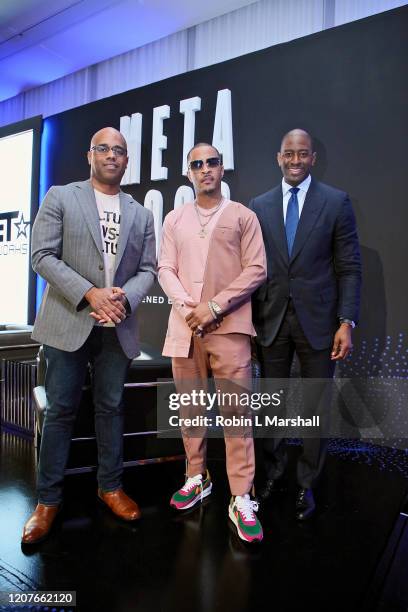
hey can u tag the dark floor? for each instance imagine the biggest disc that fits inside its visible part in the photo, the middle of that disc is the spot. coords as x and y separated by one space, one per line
195 562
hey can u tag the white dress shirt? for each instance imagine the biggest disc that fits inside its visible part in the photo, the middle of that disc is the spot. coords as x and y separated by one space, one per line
301 194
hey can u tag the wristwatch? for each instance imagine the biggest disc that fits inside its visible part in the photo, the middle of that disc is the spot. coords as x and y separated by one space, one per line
348 321
215 309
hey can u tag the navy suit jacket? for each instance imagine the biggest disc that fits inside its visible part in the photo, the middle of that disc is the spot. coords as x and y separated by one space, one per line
323 273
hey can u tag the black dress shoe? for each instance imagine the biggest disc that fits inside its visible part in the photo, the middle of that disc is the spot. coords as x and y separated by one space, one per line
265 492
269 488
305 504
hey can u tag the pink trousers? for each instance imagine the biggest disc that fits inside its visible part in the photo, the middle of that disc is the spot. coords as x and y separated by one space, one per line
228 359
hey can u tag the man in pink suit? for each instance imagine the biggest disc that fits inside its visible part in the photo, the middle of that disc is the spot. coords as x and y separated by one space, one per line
212 259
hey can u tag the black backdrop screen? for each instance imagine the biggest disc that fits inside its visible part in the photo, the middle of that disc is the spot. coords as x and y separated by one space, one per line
348 87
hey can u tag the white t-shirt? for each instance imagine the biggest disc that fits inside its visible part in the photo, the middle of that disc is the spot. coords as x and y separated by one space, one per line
109 219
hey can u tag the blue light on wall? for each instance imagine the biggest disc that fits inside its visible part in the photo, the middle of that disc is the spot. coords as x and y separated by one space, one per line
46 142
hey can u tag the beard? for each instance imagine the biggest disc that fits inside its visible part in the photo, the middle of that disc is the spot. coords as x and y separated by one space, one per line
209 190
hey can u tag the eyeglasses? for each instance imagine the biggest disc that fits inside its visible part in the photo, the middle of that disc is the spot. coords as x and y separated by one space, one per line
102 149
211 162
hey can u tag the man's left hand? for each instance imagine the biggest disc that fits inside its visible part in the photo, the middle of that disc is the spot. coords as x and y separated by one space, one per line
212 326
118 295
200 316
342 343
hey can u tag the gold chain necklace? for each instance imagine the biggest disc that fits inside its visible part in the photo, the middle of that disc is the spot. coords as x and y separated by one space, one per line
203 232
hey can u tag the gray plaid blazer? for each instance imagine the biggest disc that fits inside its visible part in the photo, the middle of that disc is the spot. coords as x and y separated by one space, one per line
66 250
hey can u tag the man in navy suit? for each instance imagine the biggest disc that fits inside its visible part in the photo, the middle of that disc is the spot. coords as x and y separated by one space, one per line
309 303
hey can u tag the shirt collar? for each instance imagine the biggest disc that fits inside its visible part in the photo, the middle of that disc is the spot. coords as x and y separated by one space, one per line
303 186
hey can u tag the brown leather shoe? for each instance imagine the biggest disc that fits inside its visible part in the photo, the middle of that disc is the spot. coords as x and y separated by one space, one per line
120 504
39 524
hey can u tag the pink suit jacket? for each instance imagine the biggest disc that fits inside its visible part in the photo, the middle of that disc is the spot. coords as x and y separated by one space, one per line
235 268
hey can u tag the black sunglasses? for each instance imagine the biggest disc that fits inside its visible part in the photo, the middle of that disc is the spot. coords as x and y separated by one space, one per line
211 162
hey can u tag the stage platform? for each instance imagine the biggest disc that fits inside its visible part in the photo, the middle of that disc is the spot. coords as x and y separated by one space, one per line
352 555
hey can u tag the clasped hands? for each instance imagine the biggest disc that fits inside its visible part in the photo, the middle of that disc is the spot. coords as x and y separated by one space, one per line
108 304
201 321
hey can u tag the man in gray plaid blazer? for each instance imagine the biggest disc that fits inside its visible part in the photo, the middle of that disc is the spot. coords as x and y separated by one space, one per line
95 247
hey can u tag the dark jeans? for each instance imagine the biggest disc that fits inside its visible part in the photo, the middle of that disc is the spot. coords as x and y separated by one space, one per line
64 380
276 362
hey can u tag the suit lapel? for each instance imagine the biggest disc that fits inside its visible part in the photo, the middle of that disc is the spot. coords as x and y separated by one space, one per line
87 202
314 203
127 216
274 222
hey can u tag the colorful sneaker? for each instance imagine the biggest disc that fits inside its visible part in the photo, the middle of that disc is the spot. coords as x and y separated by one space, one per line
242 513
194 490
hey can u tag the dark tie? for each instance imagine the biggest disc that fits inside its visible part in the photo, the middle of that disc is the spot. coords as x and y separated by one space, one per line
292 218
